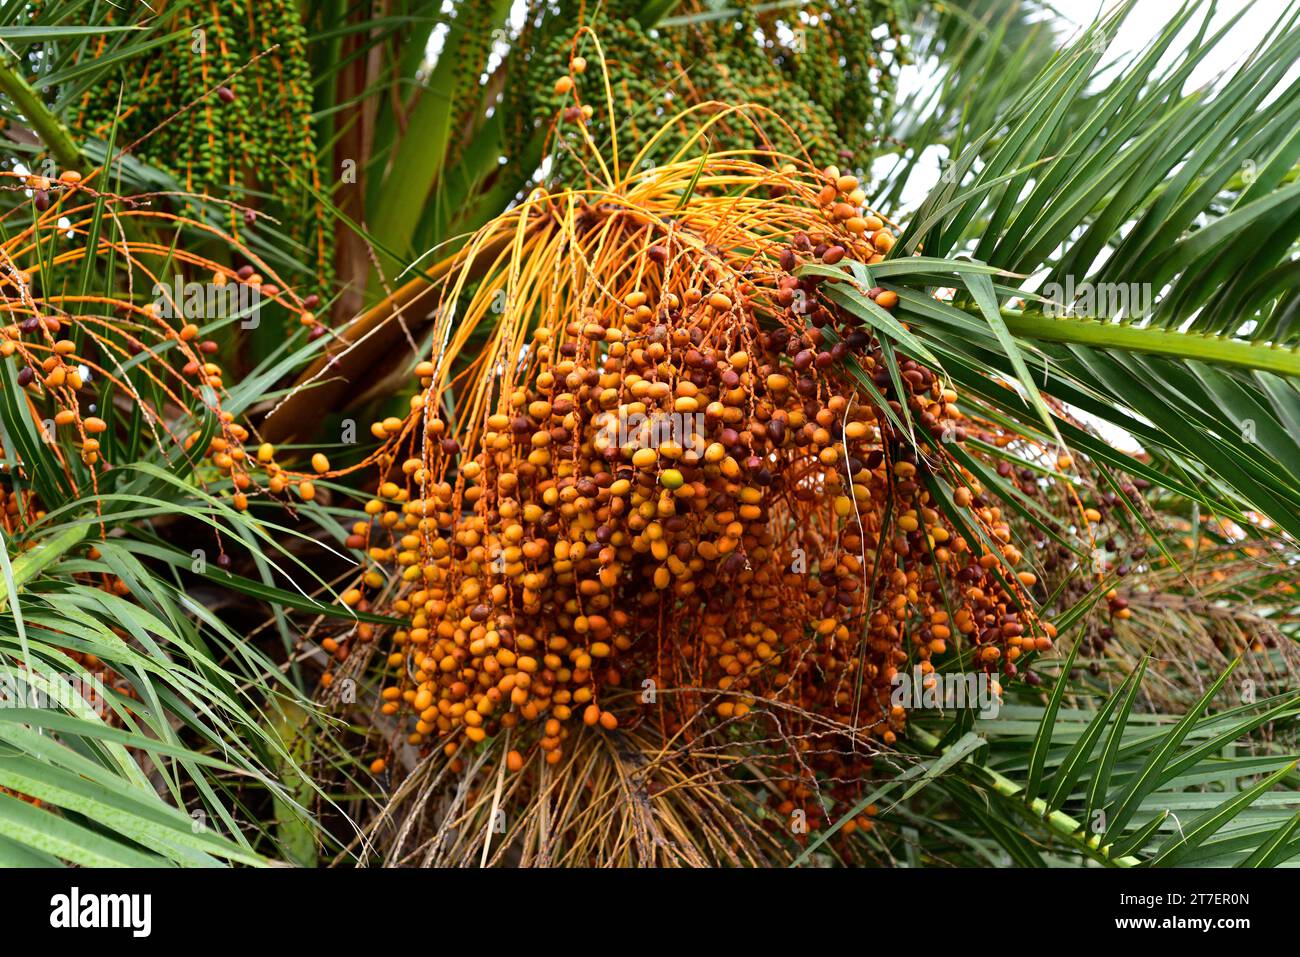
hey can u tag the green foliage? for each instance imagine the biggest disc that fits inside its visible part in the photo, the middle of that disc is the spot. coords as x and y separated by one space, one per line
1120 788
225 108
1057 166
1047 190
174 692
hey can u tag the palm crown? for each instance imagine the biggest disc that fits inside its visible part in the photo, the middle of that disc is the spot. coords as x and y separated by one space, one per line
1102 274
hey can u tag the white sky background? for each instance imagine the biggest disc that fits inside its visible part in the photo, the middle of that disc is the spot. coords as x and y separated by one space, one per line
1147 19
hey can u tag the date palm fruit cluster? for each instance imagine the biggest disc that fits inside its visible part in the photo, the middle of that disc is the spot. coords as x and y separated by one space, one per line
809 67
85 364
667 492
94 378
225 107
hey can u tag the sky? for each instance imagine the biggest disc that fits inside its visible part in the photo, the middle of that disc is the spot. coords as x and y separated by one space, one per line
1149 17
1144 23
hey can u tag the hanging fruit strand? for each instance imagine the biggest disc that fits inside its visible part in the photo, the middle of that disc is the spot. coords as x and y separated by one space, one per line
663 480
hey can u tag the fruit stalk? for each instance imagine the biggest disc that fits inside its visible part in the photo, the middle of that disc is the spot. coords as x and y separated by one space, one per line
45 124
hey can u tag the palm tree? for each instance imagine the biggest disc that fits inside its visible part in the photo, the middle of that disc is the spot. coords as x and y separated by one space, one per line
1102 269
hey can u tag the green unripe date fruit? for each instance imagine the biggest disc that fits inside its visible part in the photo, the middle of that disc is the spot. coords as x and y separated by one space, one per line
240 135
